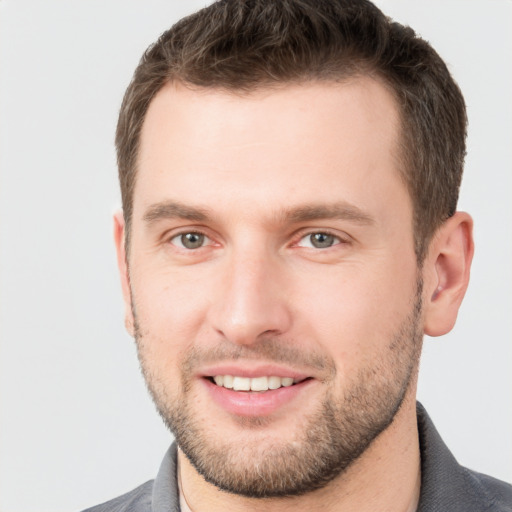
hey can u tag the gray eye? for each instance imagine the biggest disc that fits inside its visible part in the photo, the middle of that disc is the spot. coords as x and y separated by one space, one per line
191 240
322 240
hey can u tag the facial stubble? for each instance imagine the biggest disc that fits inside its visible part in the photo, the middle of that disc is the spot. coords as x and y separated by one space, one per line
333 436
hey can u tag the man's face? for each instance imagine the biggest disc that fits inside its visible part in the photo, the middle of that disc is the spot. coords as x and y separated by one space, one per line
272 250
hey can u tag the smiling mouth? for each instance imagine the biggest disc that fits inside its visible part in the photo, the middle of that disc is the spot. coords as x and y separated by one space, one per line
259 384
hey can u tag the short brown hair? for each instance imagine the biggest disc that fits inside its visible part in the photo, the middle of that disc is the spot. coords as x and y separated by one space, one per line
242 45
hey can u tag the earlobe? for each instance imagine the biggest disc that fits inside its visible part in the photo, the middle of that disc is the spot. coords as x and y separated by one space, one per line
446 271
122 264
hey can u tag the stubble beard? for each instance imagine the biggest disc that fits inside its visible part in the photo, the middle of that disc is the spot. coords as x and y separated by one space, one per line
336 434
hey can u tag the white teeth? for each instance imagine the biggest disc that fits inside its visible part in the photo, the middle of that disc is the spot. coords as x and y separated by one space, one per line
228 381
255 384
259 384
287 381
274 383
241 383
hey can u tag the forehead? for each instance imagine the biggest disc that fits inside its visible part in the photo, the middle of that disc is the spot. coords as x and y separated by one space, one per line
294 144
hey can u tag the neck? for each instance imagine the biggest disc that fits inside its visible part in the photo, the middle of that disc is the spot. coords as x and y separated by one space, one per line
386 478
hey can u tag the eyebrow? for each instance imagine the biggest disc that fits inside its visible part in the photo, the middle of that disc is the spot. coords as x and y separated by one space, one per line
174 210
340 210
304 213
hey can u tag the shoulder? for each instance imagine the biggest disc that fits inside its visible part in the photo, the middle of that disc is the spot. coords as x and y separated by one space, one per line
154 496
138 500
496 493
448 486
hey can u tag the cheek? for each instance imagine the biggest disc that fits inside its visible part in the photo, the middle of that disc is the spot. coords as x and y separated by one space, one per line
170 309
354 313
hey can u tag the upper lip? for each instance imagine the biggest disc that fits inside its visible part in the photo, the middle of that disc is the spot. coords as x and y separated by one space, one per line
252 370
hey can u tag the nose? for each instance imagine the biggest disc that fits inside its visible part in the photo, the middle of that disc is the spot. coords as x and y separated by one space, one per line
251 300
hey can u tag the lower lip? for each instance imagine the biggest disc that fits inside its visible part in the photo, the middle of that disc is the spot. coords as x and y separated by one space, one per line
255 403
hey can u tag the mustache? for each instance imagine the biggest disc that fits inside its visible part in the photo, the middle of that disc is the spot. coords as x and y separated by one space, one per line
268 349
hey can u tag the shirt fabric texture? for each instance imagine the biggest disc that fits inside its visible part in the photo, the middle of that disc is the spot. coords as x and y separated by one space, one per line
446 486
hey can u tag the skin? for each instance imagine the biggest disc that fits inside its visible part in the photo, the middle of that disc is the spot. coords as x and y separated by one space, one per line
246 161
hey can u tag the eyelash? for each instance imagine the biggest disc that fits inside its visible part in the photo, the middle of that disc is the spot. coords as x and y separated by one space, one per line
188 232
338 240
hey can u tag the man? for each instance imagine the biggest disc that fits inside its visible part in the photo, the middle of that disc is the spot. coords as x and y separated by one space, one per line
290 174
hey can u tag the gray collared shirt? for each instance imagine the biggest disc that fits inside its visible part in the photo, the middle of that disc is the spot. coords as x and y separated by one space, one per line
445 485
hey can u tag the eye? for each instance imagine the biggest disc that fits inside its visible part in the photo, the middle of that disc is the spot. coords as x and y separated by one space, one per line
319 240
191 240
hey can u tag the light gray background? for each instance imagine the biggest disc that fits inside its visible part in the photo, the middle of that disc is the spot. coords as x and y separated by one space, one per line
76 424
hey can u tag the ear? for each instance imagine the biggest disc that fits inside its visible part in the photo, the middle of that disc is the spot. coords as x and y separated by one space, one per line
122 264
446 273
